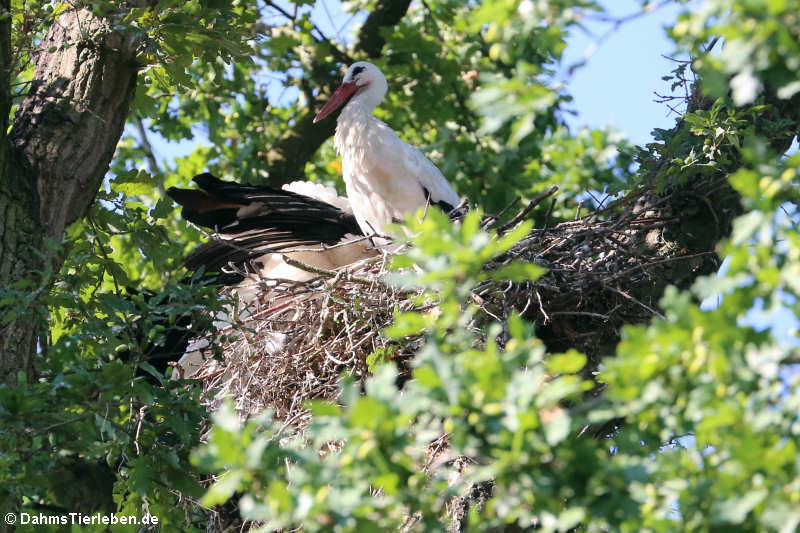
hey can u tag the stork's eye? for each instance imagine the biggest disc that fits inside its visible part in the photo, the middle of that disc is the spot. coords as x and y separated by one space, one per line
358 70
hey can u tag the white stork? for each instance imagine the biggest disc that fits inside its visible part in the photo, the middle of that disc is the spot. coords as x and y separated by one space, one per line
385 177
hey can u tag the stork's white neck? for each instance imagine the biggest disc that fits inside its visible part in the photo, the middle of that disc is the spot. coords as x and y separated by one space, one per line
370 96
356 117
352 127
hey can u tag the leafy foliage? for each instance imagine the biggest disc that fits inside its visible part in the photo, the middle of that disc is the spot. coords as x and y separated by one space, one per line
727 391
760 46
709 401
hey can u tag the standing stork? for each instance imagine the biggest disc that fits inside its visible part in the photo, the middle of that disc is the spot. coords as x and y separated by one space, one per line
385 177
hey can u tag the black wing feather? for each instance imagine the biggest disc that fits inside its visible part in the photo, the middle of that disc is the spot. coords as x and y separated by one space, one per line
255 220
441 204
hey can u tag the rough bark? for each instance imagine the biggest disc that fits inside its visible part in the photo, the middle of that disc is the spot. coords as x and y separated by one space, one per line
20 242
16 230
19 232
69 124
5 65
288 157
59 149
12 237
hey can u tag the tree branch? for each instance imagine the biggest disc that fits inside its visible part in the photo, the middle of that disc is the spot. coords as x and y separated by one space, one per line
149 153
387 13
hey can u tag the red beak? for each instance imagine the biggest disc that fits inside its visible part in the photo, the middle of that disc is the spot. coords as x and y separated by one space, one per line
339 98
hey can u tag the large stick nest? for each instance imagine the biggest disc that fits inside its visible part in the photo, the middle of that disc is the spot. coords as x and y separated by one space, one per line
305 336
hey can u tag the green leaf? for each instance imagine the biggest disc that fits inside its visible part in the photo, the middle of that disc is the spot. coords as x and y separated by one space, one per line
367 413
407 324
427 377
566 363
735 510
518 271
224 487
321 408
556 426
571 518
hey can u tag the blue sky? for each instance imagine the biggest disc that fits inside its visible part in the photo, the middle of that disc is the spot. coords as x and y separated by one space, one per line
623 69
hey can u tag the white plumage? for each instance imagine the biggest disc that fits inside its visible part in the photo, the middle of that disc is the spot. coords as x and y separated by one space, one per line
385 177
321 192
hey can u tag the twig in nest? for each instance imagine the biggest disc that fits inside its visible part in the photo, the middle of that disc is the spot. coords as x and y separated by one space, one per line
491 220
549 214
541 307
342 274
659 262
634 300
522 214
581 313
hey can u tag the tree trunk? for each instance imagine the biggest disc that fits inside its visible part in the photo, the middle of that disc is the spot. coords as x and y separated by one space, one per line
52 164
19 232
69 125
59 149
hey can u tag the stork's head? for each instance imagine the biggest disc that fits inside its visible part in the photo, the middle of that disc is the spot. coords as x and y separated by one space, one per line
363 82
